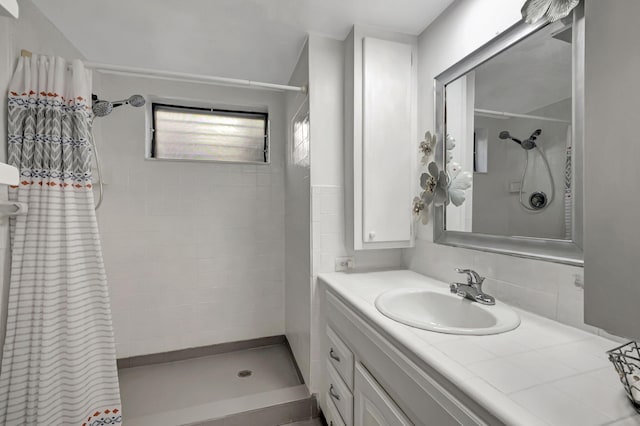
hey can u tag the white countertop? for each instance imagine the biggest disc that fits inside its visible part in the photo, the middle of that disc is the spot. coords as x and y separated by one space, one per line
542 373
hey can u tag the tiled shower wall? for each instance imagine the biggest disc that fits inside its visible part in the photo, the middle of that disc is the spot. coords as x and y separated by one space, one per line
194 252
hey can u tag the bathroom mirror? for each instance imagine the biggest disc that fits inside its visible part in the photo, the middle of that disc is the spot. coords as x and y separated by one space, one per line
511 116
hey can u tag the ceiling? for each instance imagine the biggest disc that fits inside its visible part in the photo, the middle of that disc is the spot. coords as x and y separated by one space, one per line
534 73
248 39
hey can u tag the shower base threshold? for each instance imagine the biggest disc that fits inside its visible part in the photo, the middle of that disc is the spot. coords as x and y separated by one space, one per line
251 386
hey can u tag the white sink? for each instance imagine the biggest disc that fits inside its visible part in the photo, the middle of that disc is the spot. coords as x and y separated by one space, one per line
445 312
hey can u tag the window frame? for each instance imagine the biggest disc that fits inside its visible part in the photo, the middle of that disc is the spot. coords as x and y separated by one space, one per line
184 104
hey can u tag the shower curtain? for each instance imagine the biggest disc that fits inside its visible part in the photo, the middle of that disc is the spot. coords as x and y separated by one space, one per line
568 191
59 359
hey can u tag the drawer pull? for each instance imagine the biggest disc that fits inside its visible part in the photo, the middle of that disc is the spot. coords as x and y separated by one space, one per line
333 355
333 394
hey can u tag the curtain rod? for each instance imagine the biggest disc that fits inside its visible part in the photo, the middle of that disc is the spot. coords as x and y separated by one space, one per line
505 115
186 77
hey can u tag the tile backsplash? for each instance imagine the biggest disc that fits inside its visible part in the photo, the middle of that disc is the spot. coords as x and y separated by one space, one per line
328 242
548 289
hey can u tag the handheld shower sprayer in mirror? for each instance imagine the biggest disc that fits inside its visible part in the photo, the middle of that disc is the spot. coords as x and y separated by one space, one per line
102 108
525 144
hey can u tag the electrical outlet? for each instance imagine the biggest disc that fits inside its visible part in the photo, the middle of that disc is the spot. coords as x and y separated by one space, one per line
344 263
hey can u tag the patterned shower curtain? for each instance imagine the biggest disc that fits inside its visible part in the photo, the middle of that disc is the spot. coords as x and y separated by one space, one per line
59 359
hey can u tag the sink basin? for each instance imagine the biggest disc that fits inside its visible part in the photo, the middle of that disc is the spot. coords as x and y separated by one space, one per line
444 312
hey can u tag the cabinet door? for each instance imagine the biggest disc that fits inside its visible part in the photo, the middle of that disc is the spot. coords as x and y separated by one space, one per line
373 407
387 145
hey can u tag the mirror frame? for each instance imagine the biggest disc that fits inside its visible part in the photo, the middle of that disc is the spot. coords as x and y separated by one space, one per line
559 251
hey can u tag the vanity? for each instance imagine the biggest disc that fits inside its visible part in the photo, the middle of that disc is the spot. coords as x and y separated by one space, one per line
379 371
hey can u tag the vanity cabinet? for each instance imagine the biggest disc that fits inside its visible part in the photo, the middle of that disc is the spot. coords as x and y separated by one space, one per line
380 138
370 382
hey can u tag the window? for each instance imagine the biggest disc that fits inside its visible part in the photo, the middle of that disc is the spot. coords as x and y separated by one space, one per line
300 140
193 133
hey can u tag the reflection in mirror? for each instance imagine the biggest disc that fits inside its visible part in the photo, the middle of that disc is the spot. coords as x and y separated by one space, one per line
511 120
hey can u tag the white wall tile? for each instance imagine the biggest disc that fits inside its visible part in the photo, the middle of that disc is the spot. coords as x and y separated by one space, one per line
548 289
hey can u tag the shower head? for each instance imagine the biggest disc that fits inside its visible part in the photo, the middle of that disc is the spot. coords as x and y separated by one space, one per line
525 144
531 142
137 101
102 108
133 100
506 135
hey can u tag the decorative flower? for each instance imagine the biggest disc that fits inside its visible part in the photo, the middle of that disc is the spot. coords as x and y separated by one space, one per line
534 11
435 183
427 147
450 143
459 182
439 187
420 210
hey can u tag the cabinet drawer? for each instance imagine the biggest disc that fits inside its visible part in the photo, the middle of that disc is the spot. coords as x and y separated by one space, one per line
331 414
372 404
340 356
339 394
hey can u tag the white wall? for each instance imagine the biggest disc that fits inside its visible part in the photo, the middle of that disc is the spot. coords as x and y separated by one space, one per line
541 287
194 252
35 33
298 233
612 234
326 97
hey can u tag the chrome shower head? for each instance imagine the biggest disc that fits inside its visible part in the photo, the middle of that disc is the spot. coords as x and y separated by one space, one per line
505 135
102 108
136 101
531 142
133 100
525 144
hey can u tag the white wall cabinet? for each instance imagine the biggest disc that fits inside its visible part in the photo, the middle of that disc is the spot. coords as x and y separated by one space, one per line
380 138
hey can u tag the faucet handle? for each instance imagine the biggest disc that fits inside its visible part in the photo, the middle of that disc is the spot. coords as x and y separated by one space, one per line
472 276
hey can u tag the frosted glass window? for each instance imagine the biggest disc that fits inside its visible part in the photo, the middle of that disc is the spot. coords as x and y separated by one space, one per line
300 145
187 133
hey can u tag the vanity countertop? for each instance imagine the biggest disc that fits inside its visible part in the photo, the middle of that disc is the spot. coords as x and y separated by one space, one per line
542 373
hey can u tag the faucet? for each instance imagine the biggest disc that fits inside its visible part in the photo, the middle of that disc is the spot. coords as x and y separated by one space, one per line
472 290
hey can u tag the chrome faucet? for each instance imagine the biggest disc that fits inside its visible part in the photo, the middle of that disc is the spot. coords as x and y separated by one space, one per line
472 290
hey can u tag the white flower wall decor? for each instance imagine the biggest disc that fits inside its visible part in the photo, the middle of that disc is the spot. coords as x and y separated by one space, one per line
534 11
439 187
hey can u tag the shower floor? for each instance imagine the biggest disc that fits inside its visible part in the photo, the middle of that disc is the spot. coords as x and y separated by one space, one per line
199 389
